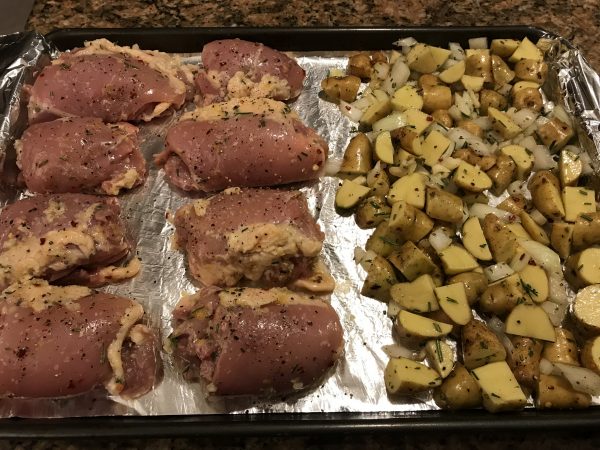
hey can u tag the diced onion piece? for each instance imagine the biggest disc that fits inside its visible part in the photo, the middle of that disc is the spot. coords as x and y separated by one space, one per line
406 42
439 240
398 351
498 272
543 256
557 288
397 77
517 188
542 159
350 111
546 367
556 312
362 103
580 378
364 258
480 210
381 70
456 51
460 137
391 122
484 122
332 166
505 90
560 113
524 117
538 217
478 43
393 309
455 113
519 261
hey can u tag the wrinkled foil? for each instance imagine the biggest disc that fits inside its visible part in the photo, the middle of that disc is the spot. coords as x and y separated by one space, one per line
356 383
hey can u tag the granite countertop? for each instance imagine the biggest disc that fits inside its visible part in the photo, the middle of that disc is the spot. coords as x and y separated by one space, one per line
577 20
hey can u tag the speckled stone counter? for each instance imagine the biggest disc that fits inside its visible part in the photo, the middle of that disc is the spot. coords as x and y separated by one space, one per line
577 20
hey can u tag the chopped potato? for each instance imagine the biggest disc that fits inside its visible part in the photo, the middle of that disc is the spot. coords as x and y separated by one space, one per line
434 146
555 134
456 259
546 195
417 295
443 205
471 178
480 345
405 376
501 391
380 278
407 97
422 327
350 194
578 201
535 283
474 240
441 356
590 354
526 50
570 167
458 391
504 295
453 73
556 392
563 349
522 159
453 301
412 262
358 156
410 189
530 321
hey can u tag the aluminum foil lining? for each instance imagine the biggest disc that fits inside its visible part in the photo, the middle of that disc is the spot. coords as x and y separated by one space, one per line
356 383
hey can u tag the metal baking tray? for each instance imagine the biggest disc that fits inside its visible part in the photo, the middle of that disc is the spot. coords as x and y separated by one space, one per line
188 40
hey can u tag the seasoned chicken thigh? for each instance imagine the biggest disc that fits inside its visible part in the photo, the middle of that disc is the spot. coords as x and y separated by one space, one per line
81 155
110 82
63 341
64 235
237 68
265 235
246 341
242 142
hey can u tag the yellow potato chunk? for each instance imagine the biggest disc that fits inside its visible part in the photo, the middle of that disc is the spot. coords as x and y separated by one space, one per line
530 321
452 299
471 178
433 147
405 376
420 326
501 391
534 281
416 296
456 259
474 240
350 194
577 201
410 188
407 97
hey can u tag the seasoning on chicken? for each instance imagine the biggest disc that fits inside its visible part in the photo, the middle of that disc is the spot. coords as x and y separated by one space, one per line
265 235
63 341
73 237
80 155
242 142
110 82
246 341
236 68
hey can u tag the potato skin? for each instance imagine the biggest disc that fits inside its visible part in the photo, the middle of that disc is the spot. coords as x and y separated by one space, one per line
476 339
531 70
360 65
436 97
371 212
587 357
586 232
491 98
341 88
443 205
458 391
443 117
475 284
501 298
358 156
501 240
556 393
529 98
503 173
563 350
380 278
524 360
545 193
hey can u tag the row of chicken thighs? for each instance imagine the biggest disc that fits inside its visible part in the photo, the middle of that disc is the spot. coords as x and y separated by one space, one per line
257 326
